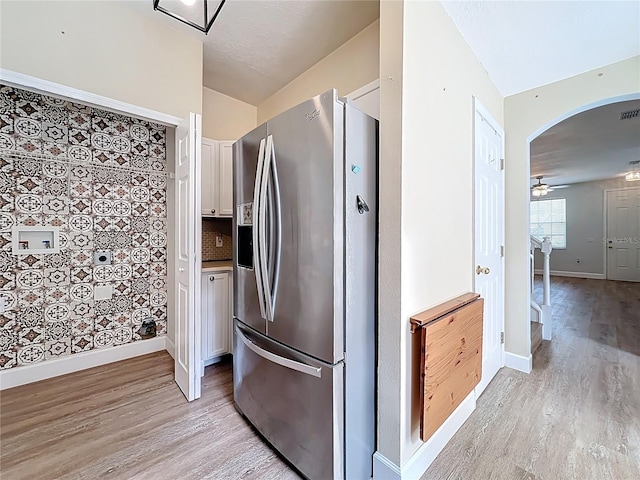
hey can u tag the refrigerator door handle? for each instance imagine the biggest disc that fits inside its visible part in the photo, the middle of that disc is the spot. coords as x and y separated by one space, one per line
271 172
268 168
285 362
257 221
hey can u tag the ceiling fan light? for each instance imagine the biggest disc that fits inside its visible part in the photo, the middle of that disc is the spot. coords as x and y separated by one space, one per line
539 191
632 176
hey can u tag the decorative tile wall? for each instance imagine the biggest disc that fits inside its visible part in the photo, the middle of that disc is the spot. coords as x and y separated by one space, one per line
100 177
211 227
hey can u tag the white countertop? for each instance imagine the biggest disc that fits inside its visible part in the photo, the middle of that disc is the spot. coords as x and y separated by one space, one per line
217 266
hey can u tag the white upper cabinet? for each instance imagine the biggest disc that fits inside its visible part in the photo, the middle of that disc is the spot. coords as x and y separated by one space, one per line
225 155
209 172
217 178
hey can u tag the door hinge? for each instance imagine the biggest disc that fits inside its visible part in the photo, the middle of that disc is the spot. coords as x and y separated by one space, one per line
502 250
501 338
502 164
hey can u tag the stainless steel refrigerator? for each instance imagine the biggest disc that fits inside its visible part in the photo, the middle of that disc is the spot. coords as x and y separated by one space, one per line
304 251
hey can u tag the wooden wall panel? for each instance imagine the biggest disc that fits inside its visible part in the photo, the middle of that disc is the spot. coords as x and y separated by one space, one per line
451 363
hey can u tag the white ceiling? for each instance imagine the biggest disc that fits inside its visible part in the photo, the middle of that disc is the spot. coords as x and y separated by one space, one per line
256 47
592 145
526 44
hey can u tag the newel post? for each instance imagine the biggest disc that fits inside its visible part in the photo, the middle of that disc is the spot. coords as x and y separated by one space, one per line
546 279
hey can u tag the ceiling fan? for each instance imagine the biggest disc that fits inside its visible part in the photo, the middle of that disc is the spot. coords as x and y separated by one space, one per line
541 189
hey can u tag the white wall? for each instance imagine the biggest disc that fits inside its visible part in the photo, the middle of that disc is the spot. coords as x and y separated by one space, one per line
426 195
224 117
106 48
526 115
585 227
350 66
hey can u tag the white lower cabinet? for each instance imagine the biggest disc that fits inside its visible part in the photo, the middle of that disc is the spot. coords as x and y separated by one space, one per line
216 316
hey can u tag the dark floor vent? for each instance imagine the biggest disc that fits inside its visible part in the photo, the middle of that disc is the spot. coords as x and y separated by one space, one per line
630 114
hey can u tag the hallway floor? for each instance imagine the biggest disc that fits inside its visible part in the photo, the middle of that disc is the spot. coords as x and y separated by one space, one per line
577 415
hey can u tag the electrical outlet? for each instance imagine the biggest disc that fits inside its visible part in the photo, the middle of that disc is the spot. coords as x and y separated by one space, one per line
218 240
2 304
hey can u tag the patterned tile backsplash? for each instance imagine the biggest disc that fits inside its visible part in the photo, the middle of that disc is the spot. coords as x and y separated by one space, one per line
212 227
100 177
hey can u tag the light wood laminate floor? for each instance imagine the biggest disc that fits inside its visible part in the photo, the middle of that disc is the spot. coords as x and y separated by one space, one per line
576 416
129 420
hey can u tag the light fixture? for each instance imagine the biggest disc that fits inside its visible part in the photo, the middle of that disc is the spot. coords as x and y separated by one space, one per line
540 189
633 175
199 14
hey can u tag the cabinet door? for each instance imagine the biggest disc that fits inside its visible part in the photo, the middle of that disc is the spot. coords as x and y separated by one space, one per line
217 318
225 156
207 314
209 177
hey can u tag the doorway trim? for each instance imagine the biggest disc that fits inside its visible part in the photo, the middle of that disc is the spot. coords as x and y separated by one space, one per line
46 87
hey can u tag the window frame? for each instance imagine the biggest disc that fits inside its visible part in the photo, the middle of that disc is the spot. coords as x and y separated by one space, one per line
564 223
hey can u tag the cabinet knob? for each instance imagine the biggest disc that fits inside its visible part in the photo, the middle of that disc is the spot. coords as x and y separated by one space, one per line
213 210
211 279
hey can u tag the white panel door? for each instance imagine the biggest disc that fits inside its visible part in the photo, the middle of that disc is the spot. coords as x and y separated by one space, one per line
623 235
209 177
489 239
225 155
187 279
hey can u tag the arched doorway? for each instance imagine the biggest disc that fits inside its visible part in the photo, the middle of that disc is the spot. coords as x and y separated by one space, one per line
547 159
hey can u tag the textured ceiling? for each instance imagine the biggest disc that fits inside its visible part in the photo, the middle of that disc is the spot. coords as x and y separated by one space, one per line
526 44
256 47
592 145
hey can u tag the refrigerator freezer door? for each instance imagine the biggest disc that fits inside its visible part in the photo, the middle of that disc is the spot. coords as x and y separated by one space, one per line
246 300
294 401
308 314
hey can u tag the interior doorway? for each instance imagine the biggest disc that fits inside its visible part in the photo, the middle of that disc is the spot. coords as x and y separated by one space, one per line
579 158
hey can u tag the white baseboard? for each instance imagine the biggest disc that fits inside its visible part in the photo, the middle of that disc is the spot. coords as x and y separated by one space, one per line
384 469
518 362
171 347
560 273
15 377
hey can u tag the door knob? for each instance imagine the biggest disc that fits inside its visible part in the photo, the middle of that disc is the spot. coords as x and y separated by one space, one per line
484 270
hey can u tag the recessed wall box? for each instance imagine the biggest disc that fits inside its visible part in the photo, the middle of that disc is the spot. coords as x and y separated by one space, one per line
35 239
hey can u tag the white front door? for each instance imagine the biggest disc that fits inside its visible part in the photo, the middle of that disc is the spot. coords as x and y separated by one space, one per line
187 285
623 235
488 269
